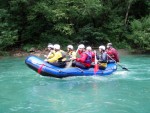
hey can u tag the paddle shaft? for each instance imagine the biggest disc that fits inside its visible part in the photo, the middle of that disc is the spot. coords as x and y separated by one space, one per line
117 63
70 63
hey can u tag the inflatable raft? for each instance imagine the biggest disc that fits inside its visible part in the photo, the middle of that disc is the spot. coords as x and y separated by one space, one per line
46 69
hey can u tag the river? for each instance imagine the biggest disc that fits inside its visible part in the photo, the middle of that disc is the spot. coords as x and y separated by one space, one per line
25 91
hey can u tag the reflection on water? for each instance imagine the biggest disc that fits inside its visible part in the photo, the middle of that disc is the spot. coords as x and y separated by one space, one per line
24 91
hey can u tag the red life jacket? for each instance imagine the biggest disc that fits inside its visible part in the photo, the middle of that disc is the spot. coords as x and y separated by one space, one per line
112 52
85 59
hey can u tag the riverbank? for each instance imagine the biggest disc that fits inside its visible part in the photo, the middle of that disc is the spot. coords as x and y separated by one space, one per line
36 52
20 52
42 52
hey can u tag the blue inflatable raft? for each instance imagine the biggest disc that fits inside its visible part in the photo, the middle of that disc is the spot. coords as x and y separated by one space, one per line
46 69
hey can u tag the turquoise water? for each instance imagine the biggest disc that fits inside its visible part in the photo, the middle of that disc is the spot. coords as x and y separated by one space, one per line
24 91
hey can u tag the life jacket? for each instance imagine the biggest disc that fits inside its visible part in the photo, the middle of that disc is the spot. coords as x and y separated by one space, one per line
51 54
80 53
113 54
109 52
85 59
63 58
103 57
103 60
89 57
72 54
56 57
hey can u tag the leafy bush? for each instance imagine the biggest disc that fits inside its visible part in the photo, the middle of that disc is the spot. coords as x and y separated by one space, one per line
8 33
27 47
35 23
140 35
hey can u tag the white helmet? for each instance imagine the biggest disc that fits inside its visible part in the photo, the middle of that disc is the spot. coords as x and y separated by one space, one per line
56 46
81 46
50 46
70 46
89 48
109 45
102 47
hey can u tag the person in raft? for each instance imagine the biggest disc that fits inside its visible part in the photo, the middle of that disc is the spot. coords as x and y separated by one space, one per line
112 53
70 52
85 59
59 58
51 51
102 58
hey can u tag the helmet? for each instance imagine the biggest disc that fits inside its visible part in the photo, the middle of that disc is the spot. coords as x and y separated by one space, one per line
81 46
102 47
70 46
109 44
56 46
50 46
89 48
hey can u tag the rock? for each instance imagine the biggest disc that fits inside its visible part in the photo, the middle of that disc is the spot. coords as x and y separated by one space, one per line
32 49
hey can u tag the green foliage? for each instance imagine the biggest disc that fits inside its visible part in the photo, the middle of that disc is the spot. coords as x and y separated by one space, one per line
93 22
66 29
91 35
4 53
27 47
140 35
8 33
57 39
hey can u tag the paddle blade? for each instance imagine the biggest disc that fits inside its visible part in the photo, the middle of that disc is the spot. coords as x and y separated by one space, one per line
125 68
96 68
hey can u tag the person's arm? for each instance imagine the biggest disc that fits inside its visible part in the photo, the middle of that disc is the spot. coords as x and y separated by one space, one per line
73 55
82 59
93 57
50 55
116 56
55 58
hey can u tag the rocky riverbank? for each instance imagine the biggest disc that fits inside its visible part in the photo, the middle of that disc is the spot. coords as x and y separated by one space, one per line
40 53
20 53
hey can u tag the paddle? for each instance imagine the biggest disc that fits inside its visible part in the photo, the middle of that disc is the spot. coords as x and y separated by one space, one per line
118 63
70 63
96 67
123 67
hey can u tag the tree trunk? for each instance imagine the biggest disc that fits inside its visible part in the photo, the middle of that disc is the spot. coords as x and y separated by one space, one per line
127 13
